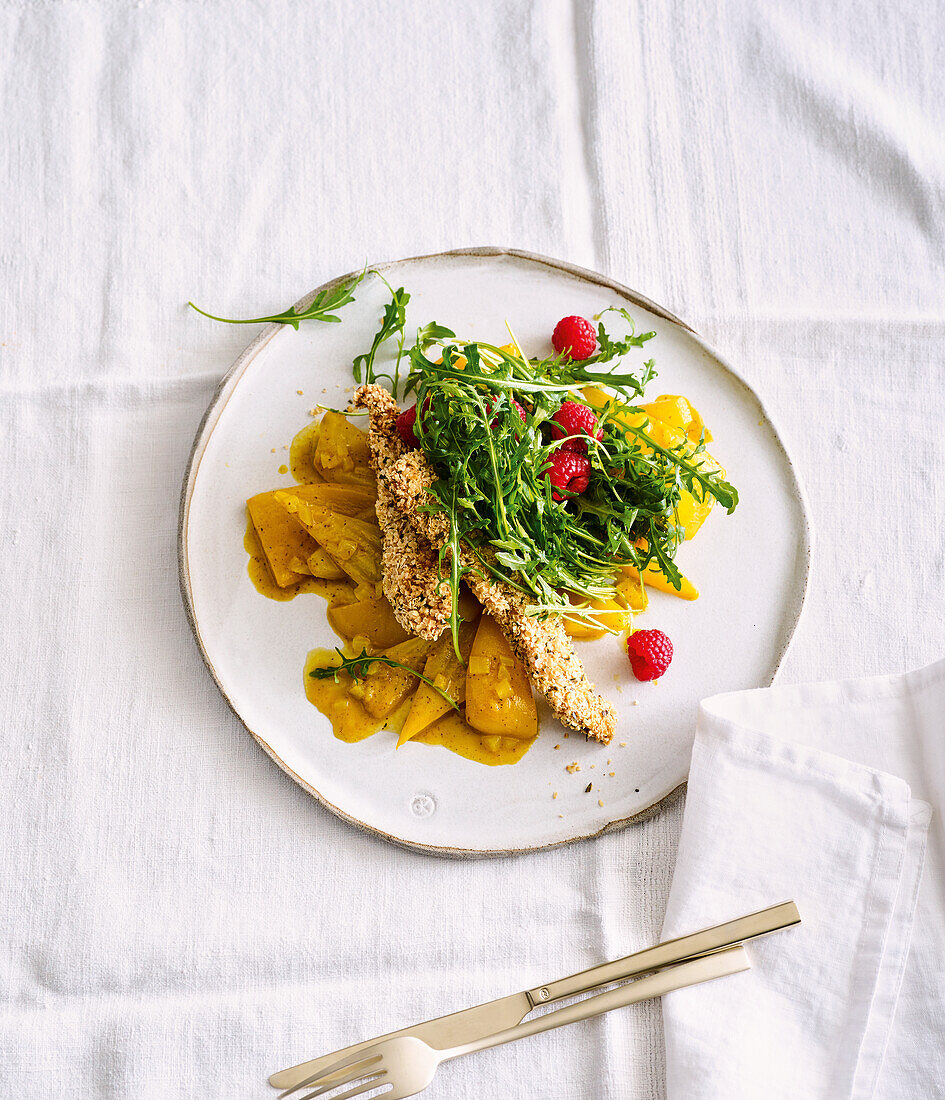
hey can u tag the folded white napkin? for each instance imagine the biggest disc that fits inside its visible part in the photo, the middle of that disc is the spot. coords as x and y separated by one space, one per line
806 793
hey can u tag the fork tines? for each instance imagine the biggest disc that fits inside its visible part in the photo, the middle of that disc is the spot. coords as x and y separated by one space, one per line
332 1077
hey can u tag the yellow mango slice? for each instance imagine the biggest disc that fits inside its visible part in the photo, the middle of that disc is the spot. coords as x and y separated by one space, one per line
630 586
321 564
369 616
610 614
499 697
355 544
341 452
383 690
282 538
447 673
654 578
678 413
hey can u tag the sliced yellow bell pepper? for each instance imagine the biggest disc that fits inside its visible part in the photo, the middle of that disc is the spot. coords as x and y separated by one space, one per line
654 578
610 614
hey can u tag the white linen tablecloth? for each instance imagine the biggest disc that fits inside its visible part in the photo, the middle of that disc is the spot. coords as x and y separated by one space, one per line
177 917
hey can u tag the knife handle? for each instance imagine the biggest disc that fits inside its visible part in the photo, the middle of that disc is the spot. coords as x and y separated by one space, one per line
691 946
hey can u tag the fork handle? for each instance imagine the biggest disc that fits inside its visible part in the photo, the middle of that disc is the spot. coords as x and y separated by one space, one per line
731 960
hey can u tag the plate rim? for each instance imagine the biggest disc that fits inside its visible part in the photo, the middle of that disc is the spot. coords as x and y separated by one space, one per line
208 422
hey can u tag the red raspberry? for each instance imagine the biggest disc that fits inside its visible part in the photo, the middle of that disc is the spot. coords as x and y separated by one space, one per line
650 652
568 471
405 427
406 424
575 336
575 419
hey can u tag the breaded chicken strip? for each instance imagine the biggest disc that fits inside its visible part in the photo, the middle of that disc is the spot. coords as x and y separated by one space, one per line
541 645
417 592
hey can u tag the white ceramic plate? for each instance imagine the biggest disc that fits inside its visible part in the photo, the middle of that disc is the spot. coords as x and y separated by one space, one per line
751 568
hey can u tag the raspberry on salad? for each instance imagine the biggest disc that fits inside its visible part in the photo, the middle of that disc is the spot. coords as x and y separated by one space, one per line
567 471
650 653
575 419
405 427
575 336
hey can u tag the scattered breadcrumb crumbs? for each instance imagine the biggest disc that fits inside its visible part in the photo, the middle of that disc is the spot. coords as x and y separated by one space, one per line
635 703
618 689
592 765
557 746
299 392
313 412
611 774
285 446
623 744
608 761
573 767
560 815
283 469
554 794
273 450
587 789
600 802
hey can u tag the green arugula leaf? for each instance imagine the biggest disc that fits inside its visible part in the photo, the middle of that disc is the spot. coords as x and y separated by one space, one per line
393 322
503 519
358 668
432 333
613 349
321 307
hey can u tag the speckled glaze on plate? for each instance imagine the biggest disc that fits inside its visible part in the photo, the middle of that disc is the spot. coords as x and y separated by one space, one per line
751 569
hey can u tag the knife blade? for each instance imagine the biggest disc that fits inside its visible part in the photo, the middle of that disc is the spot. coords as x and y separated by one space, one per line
470 1024
445 1031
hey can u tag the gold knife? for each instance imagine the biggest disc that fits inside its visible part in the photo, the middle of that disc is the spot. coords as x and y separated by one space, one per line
474 1023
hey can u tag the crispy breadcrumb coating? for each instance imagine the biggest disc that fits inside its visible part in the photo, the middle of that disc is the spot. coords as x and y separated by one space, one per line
541 645
419 595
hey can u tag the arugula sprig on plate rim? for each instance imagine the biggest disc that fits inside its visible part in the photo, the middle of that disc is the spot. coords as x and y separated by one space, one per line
321 308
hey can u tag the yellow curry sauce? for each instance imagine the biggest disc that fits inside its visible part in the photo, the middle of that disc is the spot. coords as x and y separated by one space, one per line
343 703
351 722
